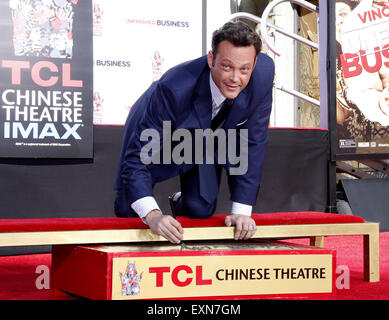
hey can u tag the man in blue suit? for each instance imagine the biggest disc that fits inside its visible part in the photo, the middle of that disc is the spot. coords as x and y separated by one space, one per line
229 89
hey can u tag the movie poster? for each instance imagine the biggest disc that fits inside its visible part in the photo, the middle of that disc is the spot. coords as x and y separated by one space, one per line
362 74
46 79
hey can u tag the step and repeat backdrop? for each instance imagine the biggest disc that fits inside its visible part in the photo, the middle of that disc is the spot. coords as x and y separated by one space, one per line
134 43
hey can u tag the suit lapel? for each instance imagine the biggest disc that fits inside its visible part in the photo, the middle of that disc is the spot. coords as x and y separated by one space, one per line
239 108
203 101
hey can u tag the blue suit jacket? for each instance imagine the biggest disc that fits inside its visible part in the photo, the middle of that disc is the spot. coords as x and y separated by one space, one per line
183 97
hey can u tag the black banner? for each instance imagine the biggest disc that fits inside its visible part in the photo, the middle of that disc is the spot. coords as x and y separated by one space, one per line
46 79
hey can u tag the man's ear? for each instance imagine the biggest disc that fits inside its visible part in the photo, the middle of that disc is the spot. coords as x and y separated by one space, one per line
255 61
210 59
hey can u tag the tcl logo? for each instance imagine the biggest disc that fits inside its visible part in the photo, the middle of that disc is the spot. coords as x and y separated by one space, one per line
17 67
181 276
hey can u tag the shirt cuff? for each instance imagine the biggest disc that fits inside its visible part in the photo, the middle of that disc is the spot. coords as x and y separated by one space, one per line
240 208
144 205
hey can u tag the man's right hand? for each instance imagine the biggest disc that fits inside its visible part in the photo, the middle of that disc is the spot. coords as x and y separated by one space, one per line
166 226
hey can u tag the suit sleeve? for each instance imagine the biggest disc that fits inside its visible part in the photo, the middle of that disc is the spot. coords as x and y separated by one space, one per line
135 172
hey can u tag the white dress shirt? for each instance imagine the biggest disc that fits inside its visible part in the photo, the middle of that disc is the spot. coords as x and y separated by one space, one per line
144 205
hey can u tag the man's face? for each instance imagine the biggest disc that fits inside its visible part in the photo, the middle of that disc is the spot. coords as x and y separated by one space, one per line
342 11
232 68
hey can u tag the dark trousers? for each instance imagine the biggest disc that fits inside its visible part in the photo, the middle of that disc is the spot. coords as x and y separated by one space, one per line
191 204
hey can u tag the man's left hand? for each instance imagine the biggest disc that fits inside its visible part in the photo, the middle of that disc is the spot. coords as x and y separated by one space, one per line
245 226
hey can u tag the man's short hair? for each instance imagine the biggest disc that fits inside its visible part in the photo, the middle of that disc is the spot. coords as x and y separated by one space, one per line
239 34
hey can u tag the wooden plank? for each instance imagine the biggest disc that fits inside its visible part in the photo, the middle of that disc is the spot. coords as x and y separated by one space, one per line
371 256
205 233
369 230
317 242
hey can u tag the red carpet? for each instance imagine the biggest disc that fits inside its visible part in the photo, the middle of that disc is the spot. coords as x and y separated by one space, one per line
107 223
18 275
349 253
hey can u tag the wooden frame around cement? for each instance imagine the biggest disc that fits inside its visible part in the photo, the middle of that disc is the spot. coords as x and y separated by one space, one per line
317 232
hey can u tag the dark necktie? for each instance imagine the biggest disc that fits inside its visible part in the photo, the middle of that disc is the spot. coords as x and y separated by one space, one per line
209 187
222 114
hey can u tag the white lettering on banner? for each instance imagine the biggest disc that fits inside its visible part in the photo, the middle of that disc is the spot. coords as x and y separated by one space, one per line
13 97
365 39
29 109
49 114
34 131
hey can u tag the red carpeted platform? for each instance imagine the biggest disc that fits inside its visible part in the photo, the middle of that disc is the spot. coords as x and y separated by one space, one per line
288 220
18 275
108 223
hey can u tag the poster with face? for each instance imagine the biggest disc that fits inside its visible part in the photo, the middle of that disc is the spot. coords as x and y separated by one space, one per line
362 77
